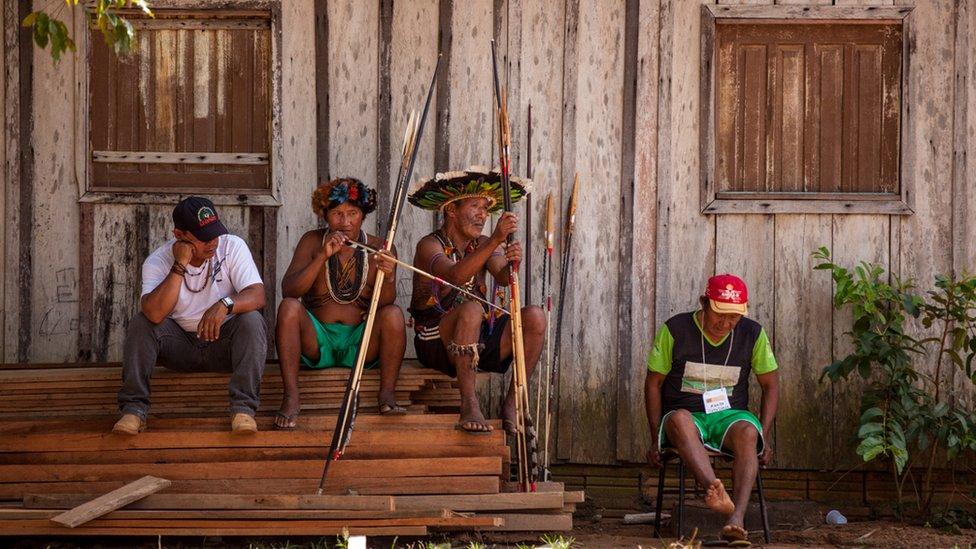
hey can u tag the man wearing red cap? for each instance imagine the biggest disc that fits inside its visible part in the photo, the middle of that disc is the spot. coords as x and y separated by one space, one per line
698 378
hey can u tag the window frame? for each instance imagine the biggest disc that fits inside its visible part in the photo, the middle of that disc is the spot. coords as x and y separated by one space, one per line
87 193
713 202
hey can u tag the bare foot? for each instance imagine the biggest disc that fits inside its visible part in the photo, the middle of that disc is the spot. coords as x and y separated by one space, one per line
472 420
287 416
508 418
717 499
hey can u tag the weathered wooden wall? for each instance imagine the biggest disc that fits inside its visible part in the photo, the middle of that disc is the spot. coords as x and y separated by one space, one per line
4 173
614 88
772 252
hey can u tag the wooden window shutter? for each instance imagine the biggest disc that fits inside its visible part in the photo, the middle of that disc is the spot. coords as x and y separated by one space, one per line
807 107
189 109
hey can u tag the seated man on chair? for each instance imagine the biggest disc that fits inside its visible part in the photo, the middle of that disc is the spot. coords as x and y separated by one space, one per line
698 378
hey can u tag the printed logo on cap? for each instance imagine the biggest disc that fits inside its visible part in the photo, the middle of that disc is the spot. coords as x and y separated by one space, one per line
731 294
206 216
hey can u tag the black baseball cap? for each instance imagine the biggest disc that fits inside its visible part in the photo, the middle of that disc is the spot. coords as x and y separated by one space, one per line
197 216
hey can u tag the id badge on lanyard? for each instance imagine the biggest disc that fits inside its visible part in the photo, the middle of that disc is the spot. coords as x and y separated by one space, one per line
715 400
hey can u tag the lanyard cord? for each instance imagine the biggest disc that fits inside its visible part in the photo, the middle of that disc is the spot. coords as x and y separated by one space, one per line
727 356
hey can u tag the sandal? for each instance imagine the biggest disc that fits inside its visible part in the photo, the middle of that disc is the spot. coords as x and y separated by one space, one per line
735 535
289 423
387 409
460 426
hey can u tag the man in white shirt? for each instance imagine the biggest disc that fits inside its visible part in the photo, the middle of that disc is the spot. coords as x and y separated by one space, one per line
201 292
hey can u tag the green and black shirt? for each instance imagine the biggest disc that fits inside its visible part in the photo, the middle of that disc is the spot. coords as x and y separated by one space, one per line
729 361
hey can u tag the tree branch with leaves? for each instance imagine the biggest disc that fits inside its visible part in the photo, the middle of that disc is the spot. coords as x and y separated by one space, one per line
48 29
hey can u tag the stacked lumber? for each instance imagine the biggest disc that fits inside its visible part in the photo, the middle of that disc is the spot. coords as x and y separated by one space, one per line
405 475
92 390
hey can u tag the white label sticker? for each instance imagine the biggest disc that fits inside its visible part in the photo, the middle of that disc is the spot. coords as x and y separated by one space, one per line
716 400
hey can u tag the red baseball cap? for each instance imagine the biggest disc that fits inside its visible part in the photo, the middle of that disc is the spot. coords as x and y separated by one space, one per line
727 293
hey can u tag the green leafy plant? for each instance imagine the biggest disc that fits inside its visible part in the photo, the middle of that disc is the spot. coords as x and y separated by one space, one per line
342 541
118 32
911 408
558 542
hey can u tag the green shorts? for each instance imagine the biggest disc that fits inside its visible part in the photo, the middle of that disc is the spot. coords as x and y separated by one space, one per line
712 428
338 345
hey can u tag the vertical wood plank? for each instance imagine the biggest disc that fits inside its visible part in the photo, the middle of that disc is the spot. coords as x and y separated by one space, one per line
445 41
353 52
686 246
23 183
4 137
50 214
117 258
383 107
628 139
472 103
541 61
561 385
298 129
161 224
926 237
964 185
855 238
788 119
270 273
964 147
321 47
633 436
413 56
86 285
755 264
590 368
803 338
13 67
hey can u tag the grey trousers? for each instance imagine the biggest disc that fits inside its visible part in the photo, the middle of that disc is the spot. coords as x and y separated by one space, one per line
241 350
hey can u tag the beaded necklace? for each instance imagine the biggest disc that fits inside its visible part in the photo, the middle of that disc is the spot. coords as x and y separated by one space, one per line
206 279
346 281
454 297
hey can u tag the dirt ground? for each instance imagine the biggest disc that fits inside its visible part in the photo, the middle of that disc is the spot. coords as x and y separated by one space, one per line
609 534
605 534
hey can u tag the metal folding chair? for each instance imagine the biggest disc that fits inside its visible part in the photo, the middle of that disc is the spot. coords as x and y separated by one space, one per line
669 455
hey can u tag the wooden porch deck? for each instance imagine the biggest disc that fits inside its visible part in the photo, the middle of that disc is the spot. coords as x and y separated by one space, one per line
407 475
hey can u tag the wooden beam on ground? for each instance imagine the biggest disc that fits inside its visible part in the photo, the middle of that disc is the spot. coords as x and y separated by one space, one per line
280 528
151 440
484 502
307 422
338 486
182 455
578 496
532 523
381 504
252 470
111 501
419 516
539 487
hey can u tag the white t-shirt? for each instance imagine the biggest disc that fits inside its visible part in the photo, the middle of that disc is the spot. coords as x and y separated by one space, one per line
232 270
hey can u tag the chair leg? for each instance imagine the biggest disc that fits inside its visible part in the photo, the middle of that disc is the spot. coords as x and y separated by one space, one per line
679 527
660 500
762 506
